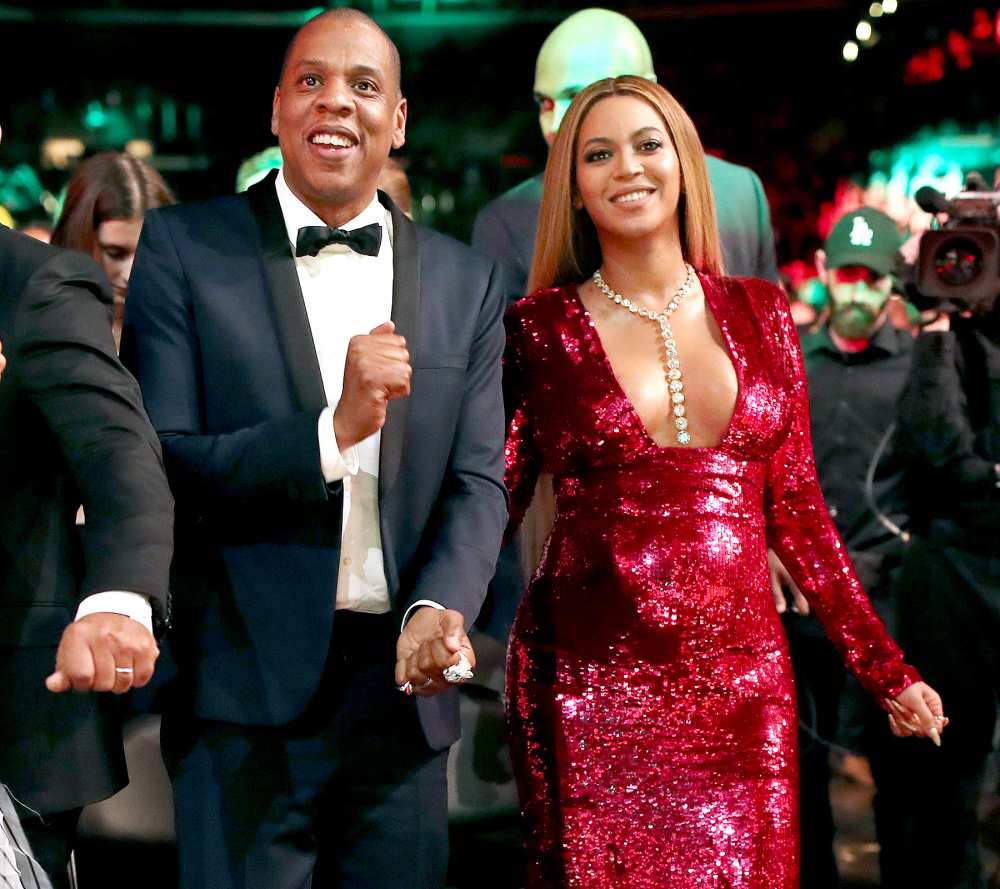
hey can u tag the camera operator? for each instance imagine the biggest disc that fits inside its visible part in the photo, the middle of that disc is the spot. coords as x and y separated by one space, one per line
948 593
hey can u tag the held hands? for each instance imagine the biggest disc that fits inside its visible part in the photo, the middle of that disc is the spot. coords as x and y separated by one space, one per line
104 652
917 710
377 371
431 641
783 587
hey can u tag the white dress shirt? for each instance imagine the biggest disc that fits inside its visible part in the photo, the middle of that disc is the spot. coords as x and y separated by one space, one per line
346 294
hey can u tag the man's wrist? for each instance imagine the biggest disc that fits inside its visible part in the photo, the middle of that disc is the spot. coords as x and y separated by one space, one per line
128 604
420 603
345 439
336 462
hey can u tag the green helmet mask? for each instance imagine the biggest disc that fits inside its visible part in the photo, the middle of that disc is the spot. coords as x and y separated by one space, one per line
588 46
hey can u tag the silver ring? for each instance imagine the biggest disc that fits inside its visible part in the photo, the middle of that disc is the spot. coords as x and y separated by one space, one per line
458 672
406 688
128 670
427 682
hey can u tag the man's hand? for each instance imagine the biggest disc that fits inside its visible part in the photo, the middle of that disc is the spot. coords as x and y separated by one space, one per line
376 371
430 641
104 652
782 586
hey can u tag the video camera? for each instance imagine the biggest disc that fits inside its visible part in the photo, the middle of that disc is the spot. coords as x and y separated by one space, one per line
958 268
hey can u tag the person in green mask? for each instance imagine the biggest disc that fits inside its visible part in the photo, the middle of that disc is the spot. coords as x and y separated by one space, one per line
857 363
588 46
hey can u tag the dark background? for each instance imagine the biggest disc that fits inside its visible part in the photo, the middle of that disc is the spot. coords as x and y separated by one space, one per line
764 80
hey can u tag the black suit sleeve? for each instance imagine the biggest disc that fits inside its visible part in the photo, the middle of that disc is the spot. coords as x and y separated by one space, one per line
472 507
65 361
274 459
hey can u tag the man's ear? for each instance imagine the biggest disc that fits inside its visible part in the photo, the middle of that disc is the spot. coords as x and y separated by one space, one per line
399 125
275 110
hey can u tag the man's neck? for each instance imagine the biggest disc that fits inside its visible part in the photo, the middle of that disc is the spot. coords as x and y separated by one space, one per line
333 216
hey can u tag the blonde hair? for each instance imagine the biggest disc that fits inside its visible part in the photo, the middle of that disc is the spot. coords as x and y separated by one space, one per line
566 246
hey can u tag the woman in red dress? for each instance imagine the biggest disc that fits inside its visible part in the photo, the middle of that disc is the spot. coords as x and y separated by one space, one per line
651 702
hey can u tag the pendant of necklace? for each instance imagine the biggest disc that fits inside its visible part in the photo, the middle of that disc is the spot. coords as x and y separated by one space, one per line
672 367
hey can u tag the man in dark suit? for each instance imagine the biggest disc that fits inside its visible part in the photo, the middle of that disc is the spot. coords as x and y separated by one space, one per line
324 376
588 46
72 431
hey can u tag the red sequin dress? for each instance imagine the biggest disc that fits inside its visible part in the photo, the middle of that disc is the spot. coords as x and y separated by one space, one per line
651 707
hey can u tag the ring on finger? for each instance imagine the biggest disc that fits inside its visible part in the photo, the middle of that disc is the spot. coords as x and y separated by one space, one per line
129 671
459 672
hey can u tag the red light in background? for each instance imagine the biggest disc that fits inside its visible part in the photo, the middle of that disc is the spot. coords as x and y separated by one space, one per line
515 161
959 49
982 26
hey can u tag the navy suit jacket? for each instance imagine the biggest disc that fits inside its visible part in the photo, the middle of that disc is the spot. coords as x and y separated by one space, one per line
505 228
217 334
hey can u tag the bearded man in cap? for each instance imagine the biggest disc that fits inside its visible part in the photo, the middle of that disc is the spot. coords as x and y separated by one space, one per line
857 364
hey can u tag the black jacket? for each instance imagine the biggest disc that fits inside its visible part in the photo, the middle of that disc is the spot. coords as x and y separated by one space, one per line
949 430
72 430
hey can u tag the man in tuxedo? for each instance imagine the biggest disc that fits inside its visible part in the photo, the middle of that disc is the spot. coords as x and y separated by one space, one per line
324 376
588 46
84 601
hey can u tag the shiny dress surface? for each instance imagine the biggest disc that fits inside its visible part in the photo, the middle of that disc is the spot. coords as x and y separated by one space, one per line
651 706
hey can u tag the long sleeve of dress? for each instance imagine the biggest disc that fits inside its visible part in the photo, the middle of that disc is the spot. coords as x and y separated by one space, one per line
800 531
523 461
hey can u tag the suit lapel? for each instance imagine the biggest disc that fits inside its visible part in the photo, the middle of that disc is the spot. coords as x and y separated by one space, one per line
287 305
406 317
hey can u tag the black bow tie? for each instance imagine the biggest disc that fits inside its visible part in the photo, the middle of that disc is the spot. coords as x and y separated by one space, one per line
313 238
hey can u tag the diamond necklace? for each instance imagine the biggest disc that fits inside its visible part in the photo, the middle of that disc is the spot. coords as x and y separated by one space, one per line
673 364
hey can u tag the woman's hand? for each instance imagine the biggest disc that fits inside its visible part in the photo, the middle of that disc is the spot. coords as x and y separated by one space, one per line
917 710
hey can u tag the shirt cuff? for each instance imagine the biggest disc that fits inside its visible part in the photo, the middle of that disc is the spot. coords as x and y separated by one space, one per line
133 605
420 603
334 463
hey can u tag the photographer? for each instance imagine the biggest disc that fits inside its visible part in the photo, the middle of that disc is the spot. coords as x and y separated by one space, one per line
948 593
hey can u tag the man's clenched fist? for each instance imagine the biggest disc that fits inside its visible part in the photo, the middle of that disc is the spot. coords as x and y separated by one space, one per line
377 370
431 641
104 652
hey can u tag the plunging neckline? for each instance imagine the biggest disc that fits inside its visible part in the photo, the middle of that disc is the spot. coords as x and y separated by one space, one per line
593 338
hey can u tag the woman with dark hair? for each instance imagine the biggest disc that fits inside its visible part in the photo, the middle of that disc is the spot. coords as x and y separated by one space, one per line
651 703
106 200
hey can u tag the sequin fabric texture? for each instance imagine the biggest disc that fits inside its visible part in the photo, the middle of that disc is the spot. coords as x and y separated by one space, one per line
650 698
